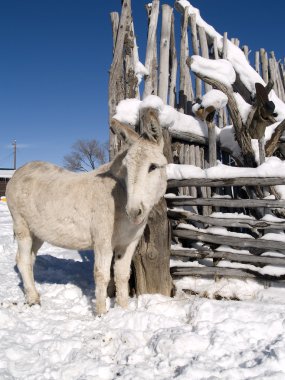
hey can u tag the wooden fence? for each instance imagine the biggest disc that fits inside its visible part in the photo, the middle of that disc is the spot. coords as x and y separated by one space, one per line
168 74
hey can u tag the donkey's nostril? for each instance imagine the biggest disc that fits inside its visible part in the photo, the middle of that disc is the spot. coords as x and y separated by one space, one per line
135 214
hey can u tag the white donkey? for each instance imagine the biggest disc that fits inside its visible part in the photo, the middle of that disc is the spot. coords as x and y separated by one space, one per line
105 210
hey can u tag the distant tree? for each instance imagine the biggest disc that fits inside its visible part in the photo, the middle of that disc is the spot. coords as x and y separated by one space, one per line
86 155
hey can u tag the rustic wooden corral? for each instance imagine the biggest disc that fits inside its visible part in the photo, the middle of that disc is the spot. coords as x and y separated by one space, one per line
202 151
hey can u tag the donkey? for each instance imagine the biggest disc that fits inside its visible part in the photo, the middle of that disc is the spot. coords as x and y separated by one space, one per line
105 210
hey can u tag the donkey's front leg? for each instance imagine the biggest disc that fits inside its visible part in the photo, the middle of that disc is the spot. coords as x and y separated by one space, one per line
102 266
122 268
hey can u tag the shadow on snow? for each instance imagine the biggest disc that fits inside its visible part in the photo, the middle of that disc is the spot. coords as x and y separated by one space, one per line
52 270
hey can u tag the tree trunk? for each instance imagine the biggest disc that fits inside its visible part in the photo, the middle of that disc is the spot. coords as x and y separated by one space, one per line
151 271
151 261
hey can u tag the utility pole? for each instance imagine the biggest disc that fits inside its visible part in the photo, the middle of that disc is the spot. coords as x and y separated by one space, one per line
15 153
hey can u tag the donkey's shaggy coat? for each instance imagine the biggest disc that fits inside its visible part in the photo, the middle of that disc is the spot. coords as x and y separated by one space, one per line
105 210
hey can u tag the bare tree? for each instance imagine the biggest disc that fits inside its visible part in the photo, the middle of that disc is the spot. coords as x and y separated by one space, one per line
86 155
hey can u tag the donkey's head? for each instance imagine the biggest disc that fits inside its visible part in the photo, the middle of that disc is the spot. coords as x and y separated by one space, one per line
145 170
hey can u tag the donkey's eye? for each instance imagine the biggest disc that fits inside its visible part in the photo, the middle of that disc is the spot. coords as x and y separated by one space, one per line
152 167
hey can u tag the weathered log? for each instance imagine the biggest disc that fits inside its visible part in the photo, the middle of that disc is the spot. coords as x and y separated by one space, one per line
164 52
225 45
225 202
204 50
188 137
173 66
261 114
225 222
185 88
212 144
257 62
200 164
264 64
221 182
233 241
130 58
116 79
223 272
245 50
272 144
150 84
242 134
151 260
115 25
229 256
195 47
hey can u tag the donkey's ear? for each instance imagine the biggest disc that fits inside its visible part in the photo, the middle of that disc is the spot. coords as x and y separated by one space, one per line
151 127
124 132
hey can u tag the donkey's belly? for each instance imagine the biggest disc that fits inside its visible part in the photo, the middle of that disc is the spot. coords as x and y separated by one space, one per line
62 230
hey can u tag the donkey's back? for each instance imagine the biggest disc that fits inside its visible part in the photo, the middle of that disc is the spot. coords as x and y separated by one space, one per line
56 205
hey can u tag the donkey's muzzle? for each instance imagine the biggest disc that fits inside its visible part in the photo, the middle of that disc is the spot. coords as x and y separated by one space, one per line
136 214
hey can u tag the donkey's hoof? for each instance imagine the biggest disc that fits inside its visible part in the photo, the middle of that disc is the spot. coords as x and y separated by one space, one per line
33 300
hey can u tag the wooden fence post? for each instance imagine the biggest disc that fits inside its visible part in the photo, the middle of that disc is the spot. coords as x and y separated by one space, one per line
116 79
150 84
151 260
164 53
185 88
173 66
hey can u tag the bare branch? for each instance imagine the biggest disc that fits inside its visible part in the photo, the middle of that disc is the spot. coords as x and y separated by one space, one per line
86 155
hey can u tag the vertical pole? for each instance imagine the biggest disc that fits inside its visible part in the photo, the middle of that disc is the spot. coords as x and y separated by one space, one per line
15 153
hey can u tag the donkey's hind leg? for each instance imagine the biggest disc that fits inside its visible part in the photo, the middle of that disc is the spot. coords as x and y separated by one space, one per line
27 249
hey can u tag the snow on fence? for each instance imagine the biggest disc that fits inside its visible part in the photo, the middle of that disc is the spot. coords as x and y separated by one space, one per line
212 105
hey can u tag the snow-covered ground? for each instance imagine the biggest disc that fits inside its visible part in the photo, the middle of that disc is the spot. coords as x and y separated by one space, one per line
186 337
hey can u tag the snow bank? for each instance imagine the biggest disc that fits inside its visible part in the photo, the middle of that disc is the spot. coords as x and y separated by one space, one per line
128 110
218 69
185 337
273 167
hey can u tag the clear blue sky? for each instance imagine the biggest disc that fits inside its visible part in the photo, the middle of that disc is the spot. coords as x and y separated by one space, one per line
55 57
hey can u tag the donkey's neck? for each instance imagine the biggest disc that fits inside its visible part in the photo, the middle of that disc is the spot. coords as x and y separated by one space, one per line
114 168
117 168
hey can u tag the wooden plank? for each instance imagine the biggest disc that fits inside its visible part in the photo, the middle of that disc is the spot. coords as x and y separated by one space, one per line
188 136
225 45
173 66
164 52
151 259
115 25
233 241
150 86
229 256
222 272
116 79
193 189
245 50
212 144
204 50
185 88
195 47
221 182
200 163
257 62
225 202
264 64
225 222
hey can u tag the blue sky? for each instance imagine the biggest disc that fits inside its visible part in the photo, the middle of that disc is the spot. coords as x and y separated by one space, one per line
55 57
